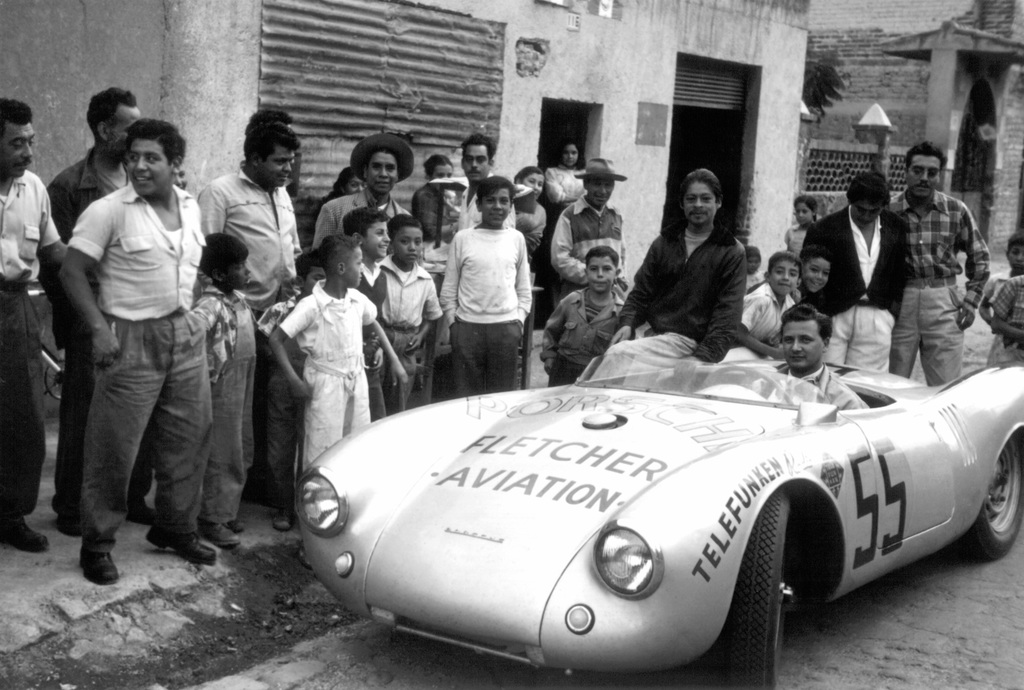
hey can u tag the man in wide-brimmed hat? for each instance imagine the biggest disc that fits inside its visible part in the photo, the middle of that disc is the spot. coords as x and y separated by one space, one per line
382 161
590 222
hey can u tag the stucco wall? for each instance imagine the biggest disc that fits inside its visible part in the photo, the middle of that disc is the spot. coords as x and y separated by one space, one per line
196 63
211 80
621 63
192 62
56 54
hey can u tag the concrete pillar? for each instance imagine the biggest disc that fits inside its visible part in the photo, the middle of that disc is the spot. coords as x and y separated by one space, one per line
210 83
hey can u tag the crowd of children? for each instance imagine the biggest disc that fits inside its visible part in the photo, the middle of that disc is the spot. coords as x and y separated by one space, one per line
352 345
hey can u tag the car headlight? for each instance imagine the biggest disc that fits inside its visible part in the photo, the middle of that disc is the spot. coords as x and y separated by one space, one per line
321 507
626 562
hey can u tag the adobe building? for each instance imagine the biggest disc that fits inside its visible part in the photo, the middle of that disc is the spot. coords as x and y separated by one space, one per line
944 70
660 87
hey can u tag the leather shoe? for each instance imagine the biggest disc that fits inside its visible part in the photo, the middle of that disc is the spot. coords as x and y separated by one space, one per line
219 535
141 514
236 526
186 545
71 526
22 537
283 520
98 567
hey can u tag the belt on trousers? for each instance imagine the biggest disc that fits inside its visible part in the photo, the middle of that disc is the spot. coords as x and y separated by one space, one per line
931 282
400 329
13 286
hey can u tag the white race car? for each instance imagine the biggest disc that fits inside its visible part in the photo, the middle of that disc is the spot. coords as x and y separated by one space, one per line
629 521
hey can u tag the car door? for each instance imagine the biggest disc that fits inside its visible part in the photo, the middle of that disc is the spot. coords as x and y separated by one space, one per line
903 487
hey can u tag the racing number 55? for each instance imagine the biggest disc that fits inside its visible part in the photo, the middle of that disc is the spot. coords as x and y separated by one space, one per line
867 505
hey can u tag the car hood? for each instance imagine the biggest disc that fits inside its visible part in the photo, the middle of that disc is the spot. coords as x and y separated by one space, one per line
479 541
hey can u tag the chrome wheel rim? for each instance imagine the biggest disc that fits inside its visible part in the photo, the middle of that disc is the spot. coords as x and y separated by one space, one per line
1004 492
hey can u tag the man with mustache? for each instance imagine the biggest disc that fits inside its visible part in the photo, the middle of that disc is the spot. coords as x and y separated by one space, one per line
934 313
27 238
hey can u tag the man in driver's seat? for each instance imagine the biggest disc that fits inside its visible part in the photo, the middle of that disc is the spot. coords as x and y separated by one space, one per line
805 335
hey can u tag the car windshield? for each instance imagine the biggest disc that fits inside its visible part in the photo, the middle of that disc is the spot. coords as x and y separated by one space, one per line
739 382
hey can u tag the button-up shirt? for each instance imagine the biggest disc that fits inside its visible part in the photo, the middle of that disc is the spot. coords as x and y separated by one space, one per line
867 256
834 390
144 270
26 224
223 316
946 228
329 220
1008 306
411 296
235 205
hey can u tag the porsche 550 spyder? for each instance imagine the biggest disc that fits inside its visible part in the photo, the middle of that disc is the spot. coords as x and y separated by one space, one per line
630 521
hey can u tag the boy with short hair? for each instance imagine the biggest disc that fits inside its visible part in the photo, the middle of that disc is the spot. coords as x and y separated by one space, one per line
284 410
370 227
754 278
486 295
582 325
817 265
410 305
231 359
805 210
1004 311
328 327
761 325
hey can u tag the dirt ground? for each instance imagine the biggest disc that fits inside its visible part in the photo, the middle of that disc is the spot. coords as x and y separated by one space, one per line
270 603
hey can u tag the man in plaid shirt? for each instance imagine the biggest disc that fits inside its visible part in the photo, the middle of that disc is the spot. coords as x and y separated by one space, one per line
934 314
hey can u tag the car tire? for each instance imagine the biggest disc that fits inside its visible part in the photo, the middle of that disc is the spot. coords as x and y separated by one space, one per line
753 629
999 520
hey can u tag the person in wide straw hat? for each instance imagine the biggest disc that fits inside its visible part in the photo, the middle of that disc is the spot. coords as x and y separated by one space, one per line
382 161
589 222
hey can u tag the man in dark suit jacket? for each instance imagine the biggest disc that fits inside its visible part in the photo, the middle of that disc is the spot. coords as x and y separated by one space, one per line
868 245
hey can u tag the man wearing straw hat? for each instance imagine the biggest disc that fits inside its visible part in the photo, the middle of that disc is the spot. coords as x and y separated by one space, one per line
589 222
382 160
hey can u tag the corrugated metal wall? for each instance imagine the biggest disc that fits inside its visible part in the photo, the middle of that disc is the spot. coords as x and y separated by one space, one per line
705 83
345 69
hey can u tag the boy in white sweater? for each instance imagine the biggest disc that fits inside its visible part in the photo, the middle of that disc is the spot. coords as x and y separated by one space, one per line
486 295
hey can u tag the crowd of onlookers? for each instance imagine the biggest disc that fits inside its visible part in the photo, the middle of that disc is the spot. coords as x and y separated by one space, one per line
201 332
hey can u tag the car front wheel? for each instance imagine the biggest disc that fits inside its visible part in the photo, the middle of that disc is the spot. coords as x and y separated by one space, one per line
1000 517
753 630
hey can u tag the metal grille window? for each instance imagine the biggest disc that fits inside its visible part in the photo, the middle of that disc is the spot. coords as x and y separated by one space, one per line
345 69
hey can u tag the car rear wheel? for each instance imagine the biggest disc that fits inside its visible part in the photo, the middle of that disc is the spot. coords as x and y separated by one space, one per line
1000 517
753 630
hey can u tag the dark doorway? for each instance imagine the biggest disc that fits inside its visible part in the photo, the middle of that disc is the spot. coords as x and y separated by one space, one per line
974 167
711 101
706 138
560 121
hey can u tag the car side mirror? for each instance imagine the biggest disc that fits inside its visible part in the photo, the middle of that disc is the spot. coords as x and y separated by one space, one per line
812 414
